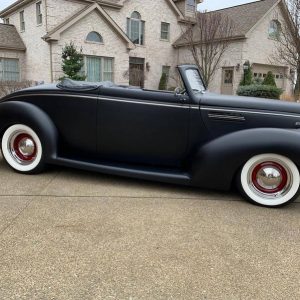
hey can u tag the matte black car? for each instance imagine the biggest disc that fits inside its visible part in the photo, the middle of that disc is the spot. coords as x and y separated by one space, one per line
188 137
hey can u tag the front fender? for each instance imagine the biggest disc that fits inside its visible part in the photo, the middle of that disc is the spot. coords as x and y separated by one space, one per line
217 162
17 112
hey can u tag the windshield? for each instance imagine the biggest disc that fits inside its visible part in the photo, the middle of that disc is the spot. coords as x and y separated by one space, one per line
195 80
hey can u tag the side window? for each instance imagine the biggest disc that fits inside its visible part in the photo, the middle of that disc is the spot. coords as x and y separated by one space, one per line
39 15
9 69
22 21
94 37
165 31
136 28
274 29
191 5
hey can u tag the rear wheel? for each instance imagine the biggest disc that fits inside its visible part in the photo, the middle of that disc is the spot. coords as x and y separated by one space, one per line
22 149
270 180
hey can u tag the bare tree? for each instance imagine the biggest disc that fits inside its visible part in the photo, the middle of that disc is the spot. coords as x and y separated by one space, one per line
8 87
288 42
208 39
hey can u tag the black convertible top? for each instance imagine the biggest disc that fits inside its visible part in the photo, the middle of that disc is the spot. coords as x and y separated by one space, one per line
73 85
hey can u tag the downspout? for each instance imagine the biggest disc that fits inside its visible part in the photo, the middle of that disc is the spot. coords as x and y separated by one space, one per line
51 62
50 44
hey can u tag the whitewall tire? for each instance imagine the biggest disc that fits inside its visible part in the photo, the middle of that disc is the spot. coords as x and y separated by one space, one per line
270 180
22 149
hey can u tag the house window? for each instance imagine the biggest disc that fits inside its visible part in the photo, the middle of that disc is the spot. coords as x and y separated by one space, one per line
6 21
39 15
191 5
136 28
99 68
274 29
94 37
9 69
165 31
22 21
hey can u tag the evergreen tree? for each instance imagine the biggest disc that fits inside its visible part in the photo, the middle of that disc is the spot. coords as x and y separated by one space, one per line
163 82
72 62
247 77
269 79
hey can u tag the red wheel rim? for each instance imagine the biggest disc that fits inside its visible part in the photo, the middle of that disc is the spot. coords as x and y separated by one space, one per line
17 147
274 165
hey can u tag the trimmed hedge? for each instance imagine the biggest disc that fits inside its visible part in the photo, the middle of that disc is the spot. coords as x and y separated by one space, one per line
260 91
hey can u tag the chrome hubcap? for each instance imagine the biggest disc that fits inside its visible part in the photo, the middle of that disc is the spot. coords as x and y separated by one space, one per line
271 179
22 148
26 146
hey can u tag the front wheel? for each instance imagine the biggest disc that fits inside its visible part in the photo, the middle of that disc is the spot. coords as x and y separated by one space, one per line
22 149
269 180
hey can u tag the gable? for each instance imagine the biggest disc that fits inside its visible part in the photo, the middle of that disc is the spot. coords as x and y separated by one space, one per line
54 35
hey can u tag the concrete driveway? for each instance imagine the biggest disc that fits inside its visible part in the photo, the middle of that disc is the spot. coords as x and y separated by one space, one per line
69 234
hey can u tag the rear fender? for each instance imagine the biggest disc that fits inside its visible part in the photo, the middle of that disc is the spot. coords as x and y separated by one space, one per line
217 162
16 112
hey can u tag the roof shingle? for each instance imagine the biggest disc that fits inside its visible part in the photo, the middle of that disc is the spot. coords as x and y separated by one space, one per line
10 39
244 17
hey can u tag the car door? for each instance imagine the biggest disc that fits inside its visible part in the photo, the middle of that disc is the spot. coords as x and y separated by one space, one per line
143 127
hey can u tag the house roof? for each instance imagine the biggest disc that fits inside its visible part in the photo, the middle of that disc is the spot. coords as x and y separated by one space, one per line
10 39
244 17
19 3
113 3
55 33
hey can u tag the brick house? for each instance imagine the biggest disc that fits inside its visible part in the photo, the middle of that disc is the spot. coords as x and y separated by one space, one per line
124 39
257 26
119 38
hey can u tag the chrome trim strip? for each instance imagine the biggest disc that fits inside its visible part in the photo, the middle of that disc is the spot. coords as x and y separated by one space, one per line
249 112
60 95
143 102
226 117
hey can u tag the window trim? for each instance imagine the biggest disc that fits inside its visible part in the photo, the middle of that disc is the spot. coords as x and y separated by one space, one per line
39 14
18 72
22 21
189 7
274 35
102 64
141 39
168 32
94 42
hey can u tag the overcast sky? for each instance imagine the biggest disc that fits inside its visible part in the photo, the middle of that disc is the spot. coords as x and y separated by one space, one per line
207 4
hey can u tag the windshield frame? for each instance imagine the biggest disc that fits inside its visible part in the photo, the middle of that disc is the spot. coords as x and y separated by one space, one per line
186 79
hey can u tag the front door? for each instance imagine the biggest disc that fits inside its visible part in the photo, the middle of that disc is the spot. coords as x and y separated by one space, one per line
227 81
136 71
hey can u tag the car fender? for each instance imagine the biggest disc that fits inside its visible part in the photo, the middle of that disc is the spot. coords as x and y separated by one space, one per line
17 112
217 162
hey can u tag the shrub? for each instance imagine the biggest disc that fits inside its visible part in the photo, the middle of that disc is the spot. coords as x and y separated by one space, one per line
260 91
163 82
247 78
269 79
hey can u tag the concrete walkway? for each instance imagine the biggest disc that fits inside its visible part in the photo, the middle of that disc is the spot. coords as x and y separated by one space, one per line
69 234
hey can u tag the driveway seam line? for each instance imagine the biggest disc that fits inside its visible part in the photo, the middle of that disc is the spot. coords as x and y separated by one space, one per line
16 217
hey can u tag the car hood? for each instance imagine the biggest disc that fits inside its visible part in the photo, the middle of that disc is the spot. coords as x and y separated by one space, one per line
211 99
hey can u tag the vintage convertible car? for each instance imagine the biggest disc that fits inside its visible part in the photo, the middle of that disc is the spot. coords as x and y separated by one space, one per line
188 137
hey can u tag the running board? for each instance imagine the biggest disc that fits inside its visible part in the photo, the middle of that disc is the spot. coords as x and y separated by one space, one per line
168 176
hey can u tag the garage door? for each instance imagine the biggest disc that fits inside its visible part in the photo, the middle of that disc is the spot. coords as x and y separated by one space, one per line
260 71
